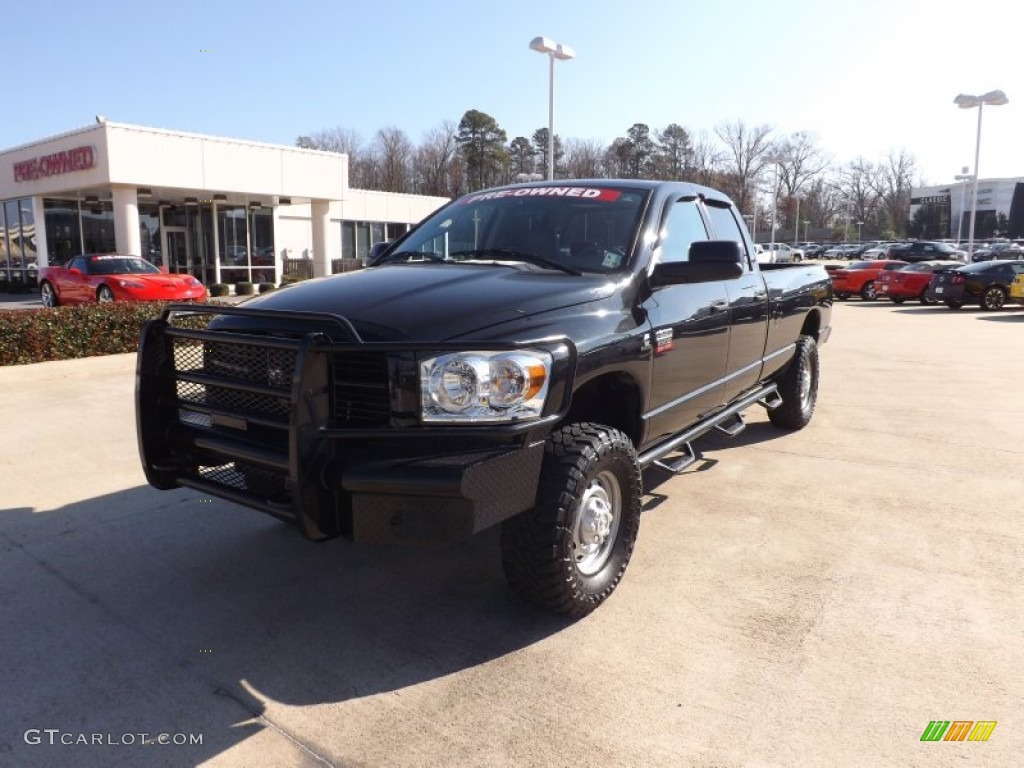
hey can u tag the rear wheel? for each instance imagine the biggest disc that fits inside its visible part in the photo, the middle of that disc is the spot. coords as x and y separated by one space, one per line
868 292
798 387
48 295
925 300
570 551
104 295
993 298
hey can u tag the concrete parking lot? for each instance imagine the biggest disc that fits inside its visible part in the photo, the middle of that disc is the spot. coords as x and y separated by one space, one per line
804 599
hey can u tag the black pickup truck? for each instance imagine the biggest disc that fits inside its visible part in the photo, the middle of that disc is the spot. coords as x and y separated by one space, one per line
517 358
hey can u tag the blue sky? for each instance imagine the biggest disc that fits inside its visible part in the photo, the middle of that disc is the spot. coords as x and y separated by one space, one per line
866 77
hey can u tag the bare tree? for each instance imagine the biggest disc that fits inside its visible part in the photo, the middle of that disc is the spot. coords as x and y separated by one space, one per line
706 161
583 159
894 181
858 182
800 161
434 159
747 152
393 153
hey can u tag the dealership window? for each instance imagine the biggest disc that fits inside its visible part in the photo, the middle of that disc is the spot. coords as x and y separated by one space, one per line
348 239
149 232
233 243
17 241
261 245
98 227
63 235
395 231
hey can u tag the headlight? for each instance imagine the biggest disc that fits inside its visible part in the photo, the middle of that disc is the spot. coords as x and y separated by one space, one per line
484 386
130 284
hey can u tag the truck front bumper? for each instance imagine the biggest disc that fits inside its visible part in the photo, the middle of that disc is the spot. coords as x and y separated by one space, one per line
301 427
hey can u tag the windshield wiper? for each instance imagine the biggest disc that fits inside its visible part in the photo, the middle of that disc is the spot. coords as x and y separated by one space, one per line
508 254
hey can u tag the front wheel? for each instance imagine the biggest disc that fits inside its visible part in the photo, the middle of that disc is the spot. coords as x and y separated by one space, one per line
48 295
798 387
104 295
569 552
868 291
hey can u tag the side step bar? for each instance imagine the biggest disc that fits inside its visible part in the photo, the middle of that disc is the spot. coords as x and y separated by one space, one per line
728 421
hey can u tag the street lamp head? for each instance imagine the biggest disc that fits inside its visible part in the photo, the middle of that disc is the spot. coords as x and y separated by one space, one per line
992 98
564 52
543 45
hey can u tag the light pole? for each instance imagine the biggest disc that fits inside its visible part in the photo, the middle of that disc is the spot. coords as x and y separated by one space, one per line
859 225
967 101
807 223
562 53
964 176
796 223
774 160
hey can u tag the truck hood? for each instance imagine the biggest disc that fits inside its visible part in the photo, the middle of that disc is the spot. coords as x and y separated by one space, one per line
435 302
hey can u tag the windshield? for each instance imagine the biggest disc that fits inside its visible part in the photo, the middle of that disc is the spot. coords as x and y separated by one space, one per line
575 229
120 265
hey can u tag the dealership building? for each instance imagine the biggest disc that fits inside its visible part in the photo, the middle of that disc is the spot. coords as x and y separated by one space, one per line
944 211
221 209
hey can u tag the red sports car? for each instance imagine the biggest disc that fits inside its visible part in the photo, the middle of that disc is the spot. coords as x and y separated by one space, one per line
114 277
860 278
911 281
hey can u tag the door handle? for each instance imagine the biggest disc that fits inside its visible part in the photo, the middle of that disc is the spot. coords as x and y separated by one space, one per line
720 306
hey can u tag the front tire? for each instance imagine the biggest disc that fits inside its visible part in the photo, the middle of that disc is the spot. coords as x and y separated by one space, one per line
48 295
868 292
104 295
993 298
798 387
570 551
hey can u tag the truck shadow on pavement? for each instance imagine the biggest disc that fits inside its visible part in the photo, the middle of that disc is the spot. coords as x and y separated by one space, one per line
141 611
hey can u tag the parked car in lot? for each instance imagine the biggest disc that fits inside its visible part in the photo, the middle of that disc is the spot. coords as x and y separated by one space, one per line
999 251
114 277
911 281
986 283
927 250
859 278
1017 289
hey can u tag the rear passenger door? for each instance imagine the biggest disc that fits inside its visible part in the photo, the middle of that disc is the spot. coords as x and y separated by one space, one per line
689 333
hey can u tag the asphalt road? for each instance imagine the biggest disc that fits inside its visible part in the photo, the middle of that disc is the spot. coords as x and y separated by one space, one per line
805 599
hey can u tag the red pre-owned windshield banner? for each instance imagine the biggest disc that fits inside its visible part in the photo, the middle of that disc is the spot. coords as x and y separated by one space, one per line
586 193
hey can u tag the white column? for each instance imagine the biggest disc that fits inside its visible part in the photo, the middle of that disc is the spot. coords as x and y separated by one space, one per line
126 220
39 219
321 220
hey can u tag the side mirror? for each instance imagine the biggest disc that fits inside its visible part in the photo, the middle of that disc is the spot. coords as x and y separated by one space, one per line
377 250
710 261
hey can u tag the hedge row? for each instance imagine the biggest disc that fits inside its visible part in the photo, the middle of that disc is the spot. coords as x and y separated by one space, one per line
86 330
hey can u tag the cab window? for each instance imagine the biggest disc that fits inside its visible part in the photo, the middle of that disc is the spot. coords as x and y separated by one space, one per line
683 225
725 226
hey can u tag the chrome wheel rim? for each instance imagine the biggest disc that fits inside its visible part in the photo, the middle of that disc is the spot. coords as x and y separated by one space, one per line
104 296
806 379
994 298
47 295
597 524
